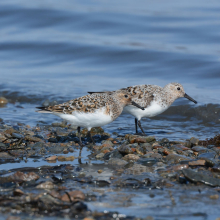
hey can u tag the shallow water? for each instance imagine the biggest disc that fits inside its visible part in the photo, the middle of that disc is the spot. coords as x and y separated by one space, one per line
60 50
55 51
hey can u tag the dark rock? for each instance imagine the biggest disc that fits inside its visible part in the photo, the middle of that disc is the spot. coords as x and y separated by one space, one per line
37 146
113 154
209 155
53 140
174 158
3 147
210 162
199 149
31 138
194 141
124 149
78 207
117 162
17 135
156 156
200 177
147 161
216 168
164 140
56 149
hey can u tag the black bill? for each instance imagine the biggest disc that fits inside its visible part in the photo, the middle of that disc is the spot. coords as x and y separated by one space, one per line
191 99
136 105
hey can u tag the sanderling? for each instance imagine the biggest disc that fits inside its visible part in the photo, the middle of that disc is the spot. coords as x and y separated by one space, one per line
153 98
93 110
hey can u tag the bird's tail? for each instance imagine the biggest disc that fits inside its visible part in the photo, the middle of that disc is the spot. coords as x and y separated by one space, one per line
43 110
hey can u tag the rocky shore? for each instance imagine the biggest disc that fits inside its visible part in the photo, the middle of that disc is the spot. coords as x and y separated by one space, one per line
116 165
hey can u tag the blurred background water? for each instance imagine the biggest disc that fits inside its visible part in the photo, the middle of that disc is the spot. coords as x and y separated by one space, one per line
59 50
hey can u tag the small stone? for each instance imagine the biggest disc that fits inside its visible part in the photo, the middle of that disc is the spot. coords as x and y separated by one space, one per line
179 167
5 155
17 135
99 156
100 171
53 140
156 156
197 163
3 100
199 149
107 143
73 196
174 158
23 177
200 177
216 196
147 161
140 140
46 185
131 157
18 192
13 218
117 162
208 155
51 158
31 138
63 158
124 149
65 151
194 141
150 139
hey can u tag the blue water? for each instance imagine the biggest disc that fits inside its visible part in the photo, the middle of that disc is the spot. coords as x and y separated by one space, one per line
60 50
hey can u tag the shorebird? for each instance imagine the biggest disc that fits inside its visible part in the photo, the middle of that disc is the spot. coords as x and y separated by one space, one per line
154 99
92 110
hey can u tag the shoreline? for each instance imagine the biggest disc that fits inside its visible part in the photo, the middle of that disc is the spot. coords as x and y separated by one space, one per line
119 164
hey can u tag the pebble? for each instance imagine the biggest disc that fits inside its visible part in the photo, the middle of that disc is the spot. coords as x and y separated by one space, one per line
200 177
46 185
51 158
194 141
131 158
216 196
73 196
117 162
99 156
63 158
124 149
3 101
197 163
174 158
209 155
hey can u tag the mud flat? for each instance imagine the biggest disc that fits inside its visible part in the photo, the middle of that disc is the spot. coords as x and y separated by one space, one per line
121 177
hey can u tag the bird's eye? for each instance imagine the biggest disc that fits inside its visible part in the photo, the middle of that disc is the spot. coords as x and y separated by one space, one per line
178 88
126 96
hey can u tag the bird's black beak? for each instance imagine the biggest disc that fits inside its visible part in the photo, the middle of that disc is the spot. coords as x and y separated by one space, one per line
136 105
191 99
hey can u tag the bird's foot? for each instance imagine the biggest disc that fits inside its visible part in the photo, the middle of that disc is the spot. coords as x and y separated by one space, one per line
140 134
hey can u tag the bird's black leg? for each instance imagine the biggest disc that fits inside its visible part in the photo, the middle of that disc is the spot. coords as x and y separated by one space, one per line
136 126
79 134
81 146
139 124
90 135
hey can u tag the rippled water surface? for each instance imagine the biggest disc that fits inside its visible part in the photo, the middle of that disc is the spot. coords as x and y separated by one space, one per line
60 50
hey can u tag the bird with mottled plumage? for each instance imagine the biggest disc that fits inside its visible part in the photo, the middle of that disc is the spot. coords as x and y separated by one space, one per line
154 99
93 110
